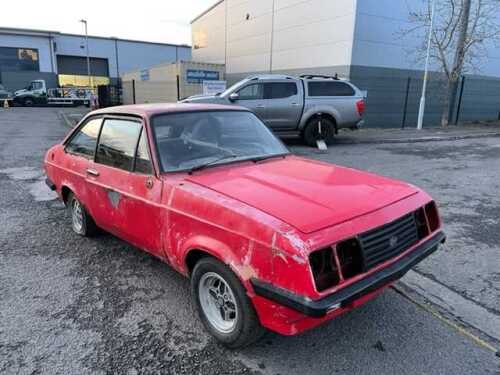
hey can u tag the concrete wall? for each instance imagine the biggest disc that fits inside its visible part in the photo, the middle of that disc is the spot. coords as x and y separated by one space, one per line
208 35
307 34
149 92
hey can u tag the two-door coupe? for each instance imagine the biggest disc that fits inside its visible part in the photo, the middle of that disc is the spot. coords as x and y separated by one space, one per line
267 238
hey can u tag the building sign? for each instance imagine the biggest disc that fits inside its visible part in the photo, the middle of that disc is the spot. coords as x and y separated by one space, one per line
198 76
145 75
213 87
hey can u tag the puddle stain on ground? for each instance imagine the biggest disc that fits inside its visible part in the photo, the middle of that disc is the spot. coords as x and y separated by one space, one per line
35 182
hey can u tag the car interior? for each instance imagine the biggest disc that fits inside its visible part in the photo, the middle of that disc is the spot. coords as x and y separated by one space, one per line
185 141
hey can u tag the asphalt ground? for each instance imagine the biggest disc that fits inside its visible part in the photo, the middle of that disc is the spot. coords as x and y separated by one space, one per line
70 305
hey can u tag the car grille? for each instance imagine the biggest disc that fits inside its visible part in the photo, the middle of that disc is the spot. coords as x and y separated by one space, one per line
389 240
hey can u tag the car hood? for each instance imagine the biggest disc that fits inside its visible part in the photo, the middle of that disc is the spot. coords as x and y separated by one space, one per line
306 194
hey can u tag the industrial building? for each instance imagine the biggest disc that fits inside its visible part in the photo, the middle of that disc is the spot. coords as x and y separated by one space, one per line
357 39
61 59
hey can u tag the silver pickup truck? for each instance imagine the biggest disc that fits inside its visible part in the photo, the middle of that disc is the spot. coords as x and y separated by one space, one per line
313 106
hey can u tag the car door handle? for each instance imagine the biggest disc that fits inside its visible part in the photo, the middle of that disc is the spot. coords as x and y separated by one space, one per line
295 104
92 172
259 106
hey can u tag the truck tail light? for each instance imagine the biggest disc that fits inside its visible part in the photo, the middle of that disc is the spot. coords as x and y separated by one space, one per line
360 106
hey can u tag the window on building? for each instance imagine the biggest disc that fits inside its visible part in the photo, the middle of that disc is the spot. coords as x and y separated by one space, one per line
279 90
330 88
18 59
117 143
84 141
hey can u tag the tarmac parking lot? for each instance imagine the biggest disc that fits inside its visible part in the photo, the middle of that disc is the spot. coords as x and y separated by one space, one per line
72 305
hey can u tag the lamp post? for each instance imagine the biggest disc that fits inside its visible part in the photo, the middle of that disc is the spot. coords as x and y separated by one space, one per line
87 48
421 109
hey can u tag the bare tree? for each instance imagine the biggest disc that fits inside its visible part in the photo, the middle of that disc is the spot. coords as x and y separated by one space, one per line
462 33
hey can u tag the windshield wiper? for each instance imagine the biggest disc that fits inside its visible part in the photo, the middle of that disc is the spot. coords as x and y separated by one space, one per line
213 162
265 157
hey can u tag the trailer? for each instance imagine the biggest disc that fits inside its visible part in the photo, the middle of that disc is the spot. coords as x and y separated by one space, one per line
37 93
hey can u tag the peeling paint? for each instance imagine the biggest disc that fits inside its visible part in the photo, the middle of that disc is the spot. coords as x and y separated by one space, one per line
114 198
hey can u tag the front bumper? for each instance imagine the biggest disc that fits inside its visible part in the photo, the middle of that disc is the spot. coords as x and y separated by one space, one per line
345 296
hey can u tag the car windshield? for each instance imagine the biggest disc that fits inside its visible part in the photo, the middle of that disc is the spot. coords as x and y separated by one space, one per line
194 140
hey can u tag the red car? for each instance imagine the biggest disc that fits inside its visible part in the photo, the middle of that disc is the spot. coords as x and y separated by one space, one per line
267 238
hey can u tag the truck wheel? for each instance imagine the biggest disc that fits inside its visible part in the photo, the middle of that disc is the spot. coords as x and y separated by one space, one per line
223 305
319 129
28 102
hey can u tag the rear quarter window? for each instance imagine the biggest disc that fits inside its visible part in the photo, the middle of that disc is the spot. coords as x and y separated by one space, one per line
329 88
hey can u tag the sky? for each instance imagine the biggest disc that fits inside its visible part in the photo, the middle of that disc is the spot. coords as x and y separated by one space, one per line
166 21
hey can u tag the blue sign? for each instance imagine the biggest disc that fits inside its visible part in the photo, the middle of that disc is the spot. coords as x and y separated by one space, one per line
198 76
145 75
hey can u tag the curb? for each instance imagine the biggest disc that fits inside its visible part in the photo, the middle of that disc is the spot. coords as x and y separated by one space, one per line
419 140
470 319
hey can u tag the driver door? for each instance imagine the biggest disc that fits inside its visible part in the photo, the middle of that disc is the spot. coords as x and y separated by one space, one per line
251 96
124 190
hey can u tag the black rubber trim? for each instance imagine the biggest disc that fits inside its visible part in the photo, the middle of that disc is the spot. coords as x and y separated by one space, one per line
50 184
344 296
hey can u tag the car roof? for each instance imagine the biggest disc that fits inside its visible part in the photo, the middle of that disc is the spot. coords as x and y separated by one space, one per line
148 110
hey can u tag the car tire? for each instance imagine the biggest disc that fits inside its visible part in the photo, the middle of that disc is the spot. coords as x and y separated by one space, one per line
242 326
28 102
312 132
81 222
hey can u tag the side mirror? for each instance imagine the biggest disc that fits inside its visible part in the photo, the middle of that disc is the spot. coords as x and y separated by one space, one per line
234 97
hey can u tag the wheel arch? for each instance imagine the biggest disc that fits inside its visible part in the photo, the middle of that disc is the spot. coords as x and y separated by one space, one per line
319 114
65 191
199 247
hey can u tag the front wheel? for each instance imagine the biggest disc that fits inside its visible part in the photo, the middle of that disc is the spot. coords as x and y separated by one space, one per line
28 102
223 305
319 128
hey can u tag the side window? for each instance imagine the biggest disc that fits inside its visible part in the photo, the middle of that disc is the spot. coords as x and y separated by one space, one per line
84 141
142 159
252 92
117 143
280 90
329 88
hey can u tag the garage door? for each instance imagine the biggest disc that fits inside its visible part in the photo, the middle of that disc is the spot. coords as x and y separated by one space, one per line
76 65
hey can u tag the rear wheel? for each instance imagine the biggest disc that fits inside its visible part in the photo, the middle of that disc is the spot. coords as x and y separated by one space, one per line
319 128
223 305
81 222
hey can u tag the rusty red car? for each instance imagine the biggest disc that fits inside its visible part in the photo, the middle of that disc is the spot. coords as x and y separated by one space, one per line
268 239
